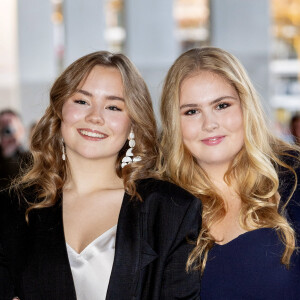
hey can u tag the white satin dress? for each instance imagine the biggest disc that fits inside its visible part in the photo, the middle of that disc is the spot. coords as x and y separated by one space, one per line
91 268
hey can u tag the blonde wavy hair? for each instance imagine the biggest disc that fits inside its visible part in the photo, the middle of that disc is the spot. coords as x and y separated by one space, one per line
47 172
254 170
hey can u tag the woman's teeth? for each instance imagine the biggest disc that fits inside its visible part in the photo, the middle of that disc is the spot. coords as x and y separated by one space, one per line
92 134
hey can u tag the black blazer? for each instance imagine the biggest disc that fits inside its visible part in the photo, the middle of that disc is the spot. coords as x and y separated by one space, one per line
150 255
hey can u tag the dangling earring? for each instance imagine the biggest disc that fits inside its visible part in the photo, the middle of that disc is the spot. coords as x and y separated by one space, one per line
63 150
129 155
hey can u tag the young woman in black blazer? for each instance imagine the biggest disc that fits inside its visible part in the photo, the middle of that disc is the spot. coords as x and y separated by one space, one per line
88 220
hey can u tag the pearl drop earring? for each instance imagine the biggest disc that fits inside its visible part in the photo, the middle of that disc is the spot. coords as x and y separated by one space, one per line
129 157
63 150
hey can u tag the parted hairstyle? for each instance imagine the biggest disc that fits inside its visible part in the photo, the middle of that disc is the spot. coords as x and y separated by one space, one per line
254 169
47 173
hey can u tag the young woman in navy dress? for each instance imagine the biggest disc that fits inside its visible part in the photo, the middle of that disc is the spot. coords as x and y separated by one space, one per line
216 144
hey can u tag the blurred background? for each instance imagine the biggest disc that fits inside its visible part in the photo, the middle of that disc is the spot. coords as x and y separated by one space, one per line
39 38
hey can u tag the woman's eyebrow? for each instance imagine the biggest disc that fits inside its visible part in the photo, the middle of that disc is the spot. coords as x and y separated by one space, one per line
84 92
115 98
189 105
222 98
109 97
193 105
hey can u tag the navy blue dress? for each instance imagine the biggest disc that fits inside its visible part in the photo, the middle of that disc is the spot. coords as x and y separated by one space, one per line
249 267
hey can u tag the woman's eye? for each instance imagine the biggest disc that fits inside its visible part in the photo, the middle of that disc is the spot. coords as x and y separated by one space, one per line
222 106
114 108
191 112
82 102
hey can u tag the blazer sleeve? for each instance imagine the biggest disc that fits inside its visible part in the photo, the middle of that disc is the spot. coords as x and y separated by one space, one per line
177 283
6 286
6 283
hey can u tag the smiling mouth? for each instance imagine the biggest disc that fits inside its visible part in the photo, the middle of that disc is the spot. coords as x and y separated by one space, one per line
92 134
213 140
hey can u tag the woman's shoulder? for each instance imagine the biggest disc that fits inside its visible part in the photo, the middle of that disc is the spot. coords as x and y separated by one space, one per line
12 215
171 206
166 191
290 157
289 188
15 201
288 176
9 201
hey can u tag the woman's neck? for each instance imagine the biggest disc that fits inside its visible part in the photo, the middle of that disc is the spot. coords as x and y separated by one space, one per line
227 191
88 175
215 173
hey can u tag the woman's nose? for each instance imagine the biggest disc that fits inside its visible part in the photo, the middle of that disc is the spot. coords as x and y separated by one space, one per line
95 116
210 123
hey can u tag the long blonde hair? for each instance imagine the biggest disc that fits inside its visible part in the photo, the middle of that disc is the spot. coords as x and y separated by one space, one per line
254 169
47 173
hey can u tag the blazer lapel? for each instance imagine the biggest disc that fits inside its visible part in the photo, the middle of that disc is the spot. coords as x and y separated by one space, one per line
49 265
148 255
54 272
123 279
132 252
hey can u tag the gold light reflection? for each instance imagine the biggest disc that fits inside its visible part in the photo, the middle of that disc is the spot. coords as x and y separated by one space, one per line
114 9
57 18
192 20
115 33
286 14
286 31
191 13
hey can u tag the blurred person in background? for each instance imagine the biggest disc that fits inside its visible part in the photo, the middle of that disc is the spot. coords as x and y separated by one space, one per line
295 129
12 153
100 223
217 145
